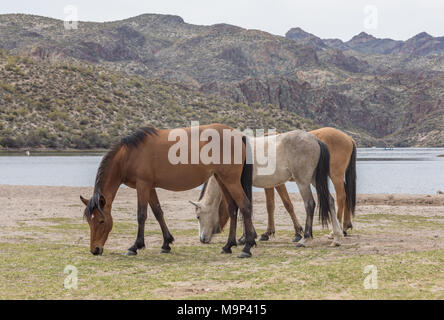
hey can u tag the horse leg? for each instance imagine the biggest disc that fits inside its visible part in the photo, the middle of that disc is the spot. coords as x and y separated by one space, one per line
232 210
241 240
338 183
158 213
142 205
282 191
309 205
347 224
337 230
237 193
269 195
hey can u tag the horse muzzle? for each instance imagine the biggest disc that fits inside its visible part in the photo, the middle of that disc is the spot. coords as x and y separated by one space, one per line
97 251
205 239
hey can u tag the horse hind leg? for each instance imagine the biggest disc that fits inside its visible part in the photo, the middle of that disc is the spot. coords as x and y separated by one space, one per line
231 242
282 191
309 205
338 183
337 230
347 219
269 195
158 213
232 210
237 193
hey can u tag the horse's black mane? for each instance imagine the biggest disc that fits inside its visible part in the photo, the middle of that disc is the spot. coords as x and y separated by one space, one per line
202 192
138 136
130 141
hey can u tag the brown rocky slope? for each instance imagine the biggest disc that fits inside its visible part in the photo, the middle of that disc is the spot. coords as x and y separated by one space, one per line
359 92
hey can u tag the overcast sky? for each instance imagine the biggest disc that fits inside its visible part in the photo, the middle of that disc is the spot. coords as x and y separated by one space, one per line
396 19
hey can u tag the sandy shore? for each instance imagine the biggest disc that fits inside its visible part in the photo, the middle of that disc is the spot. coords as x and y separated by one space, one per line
42 230
36 205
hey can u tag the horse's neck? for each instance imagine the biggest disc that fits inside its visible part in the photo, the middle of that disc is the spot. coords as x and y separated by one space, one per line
213 195
112 178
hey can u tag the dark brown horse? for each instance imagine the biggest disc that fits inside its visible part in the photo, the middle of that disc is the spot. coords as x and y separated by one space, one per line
142 161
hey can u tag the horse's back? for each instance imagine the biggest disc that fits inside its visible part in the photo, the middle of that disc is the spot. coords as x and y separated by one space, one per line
270 162
297 155
154 161
334 137
340 146
300 143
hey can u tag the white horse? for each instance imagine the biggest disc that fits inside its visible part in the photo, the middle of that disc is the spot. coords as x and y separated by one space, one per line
296 156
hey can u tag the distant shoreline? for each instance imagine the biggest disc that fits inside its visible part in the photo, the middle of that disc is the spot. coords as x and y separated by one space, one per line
363 199
70 150
43 152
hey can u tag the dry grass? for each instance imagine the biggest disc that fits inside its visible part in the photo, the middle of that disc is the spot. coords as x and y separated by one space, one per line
38 239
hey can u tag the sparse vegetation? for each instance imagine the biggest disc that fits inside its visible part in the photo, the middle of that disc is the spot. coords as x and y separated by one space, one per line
69 106
405 247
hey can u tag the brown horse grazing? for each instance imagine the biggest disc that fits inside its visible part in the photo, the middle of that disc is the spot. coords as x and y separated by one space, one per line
342 164
142 161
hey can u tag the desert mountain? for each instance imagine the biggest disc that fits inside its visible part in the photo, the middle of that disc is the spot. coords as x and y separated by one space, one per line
395 98
60 105
421 44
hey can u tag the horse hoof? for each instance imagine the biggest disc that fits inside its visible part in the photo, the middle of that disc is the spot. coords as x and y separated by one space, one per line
165 250
264 237
244 255
300 245
335 244
130 253
297 237
348 226
226 251
345 233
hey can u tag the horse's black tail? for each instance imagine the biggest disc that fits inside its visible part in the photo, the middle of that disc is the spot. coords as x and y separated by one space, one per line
350 182
247 171
322 173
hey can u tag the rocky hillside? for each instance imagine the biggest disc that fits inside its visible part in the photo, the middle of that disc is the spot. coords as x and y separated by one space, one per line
421 44
51 105
390 96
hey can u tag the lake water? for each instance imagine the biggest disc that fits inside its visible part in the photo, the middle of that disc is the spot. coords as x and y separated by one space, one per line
402 170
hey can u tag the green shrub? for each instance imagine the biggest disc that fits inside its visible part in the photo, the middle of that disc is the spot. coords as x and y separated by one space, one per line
8 87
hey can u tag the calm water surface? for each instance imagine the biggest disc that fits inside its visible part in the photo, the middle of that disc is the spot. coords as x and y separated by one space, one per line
402 170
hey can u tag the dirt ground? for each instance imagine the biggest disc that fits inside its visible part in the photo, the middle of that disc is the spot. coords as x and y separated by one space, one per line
33 205
384 225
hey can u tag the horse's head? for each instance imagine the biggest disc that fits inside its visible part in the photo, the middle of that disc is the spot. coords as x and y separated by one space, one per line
98 215
208 221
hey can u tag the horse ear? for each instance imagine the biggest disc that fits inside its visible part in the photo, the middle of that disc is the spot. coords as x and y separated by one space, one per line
196 204
85 201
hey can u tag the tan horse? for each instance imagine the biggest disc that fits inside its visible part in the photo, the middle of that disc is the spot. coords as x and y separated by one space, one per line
300 157
143 161
342 165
